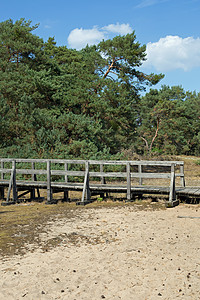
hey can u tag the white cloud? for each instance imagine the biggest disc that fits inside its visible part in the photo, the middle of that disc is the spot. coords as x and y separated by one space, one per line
173 52
79 37
146 3
118 28
47 26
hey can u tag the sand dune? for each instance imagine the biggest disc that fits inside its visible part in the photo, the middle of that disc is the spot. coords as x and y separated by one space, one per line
111 253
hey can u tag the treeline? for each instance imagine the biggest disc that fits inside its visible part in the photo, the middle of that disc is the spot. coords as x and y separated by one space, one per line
63 103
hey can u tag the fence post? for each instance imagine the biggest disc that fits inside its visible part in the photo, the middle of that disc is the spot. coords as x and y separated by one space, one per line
33 177
14 181
86 186
172 192
128 171
182 178
140 173
12 184
2 166
2 194
66 169
49 189
103 181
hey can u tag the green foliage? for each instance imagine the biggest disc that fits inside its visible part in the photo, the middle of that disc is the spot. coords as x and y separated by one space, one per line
178 115
62 103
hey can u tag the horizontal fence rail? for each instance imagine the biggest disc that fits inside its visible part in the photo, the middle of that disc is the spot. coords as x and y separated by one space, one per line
85 175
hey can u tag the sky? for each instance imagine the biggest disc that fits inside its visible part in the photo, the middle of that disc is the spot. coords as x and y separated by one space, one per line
170 29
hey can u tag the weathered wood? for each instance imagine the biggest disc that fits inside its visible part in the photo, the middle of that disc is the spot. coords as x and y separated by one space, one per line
140 173
49 188
34 178
66 196
23 194
2 168
172 194
48 168
86 187
2 194
31 172
12 183
104 162
103 181
66 172
182 177
71 173
128 171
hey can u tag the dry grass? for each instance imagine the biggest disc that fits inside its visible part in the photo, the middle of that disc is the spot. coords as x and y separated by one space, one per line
22 224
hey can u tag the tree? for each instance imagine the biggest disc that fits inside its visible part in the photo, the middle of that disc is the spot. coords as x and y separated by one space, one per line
168 121
123 55
59 102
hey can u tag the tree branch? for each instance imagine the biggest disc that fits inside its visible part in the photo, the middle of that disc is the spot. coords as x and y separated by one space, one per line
147 145
156 133
109 68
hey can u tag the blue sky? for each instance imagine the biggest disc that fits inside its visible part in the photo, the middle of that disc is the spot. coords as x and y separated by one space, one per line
169 28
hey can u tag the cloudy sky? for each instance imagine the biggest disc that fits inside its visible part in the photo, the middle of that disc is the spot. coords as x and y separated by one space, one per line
169 28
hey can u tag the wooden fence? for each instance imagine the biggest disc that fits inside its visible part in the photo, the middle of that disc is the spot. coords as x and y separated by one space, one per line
88 176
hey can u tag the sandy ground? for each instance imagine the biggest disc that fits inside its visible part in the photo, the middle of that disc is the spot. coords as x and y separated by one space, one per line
111 253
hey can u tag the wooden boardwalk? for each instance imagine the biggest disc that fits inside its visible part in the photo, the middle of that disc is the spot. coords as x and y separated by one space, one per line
92 178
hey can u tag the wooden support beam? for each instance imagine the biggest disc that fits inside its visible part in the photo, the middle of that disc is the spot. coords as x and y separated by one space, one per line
86 187
12 184
103 181
49 189
2 167
66 169
66 196
182 178
140 173
2 194
128 171
172 194
34 178
14 188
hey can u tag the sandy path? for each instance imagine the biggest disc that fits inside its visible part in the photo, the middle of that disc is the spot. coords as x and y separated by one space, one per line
115 253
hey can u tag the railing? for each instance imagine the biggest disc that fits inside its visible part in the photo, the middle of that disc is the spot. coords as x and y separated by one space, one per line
37 171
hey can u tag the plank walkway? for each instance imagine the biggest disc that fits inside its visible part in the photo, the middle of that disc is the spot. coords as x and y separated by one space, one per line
24 175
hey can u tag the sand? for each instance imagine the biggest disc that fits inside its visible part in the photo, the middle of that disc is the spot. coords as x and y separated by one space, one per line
111 253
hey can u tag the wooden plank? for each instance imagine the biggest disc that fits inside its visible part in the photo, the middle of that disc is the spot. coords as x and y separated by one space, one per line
140 174
186 191
128 171
66 174
71 173
111 162
12 183
31 172
103 181
6 170
182 177
34 178
108 174
197 192
49 189
14 187
151 175
10 186
2 168
172 193
86 188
